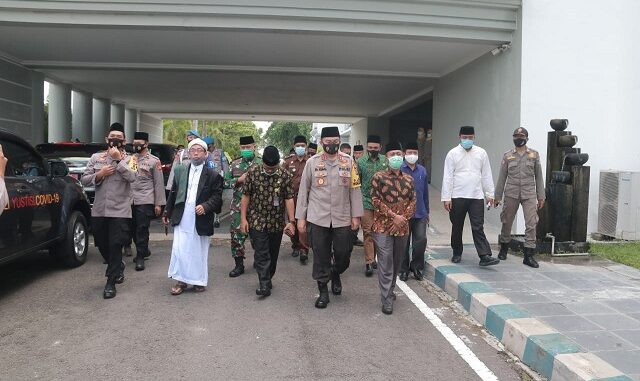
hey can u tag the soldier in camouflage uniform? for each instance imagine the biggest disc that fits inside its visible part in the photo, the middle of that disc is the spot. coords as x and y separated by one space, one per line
234 179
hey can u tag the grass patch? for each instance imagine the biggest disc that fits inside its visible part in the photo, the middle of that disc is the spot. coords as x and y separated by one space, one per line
627 253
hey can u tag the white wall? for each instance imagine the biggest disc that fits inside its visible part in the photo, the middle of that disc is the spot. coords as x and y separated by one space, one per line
485 94
580 61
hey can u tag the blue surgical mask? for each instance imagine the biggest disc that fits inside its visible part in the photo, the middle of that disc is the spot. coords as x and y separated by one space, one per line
466 143
395 162
300 151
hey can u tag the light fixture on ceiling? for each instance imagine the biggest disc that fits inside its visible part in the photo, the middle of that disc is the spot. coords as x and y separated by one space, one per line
501 49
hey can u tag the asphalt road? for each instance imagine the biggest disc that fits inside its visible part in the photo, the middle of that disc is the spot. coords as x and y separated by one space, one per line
54 325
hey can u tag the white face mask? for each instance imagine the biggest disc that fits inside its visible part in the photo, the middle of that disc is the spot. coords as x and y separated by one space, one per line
411 159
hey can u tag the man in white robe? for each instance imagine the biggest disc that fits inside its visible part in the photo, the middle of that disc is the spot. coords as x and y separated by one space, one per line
196 195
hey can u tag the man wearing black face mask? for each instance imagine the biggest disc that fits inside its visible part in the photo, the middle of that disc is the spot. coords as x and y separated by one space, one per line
521 182
148 195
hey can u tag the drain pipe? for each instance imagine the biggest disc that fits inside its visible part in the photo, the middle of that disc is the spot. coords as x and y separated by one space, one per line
553 246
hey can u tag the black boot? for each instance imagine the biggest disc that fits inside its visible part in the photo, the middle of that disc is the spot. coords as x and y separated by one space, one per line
303 257
528 257
487 260
323 299
504 249
336 283
368 270
264 289
295 253
139 263
239 269
109 290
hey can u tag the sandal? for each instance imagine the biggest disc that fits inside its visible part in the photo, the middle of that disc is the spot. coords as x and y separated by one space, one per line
199 288
178 288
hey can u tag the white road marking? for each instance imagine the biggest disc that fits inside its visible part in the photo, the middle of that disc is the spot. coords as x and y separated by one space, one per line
467 355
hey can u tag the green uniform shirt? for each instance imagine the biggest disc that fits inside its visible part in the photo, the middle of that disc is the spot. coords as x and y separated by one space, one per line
367 168
238 168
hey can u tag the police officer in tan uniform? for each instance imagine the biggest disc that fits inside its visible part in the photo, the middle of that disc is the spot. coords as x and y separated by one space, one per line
521 182
111 172
148 195
295 164
329 206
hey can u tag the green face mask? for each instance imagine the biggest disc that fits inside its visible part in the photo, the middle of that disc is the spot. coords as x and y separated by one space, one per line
395 162
247 154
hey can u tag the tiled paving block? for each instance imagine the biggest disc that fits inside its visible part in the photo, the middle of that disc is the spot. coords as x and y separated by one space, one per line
597 341
635 316
624 305
614 322
523 276
529 296
467 289
453 281
561 275
580 284
588 307
565 296
441 273
584 366
546 285
517 332
481 302
508 285
547 309
497 316
631 336
572 323
625 361
431 265
540 351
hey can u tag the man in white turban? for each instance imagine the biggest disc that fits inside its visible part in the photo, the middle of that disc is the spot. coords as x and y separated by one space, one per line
196 195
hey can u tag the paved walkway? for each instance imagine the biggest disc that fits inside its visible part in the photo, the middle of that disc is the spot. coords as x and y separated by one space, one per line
595 303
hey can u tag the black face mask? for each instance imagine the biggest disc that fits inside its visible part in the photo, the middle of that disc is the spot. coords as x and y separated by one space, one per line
519 142
331 149
373 154
139 147
115 142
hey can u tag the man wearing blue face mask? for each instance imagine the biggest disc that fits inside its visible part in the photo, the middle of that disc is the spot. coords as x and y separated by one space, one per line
294 164
466 186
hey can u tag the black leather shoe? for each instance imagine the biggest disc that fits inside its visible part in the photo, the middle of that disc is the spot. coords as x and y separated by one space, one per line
109 291
404 276
336 283
504 249
528 258
295 253
487 260
239 269
120 279
323 299
418 274
148 254
263 291
387 309
456 258
303 258
368 271
374 264
139 264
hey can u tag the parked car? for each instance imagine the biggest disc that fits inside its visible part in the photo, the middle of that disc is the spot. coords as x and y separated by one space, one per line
165 152
47 208
75 155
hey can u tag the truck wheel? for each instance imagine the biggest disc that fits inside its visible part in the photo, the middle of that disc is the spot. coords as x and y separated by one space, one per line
72 250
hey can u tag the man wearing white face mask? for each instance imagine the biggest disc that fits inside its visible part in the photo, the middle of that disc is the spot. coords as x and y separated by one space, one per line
466 186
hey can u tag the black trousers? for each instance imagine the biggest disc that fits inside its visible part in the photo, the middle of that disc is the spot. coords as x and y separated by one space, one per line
266 248
475 208
142 216
110 235
417 241
322 241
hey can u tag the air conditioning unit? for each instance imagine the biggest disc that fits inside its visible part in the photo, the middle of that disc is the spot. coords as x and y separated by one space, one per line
619 204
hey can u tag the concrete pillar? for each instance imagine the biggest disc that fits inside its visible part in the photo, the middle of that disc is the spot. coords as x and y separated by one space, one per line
82 116
117 113
130 123
359 132
37 108
59 112
100 119
152 125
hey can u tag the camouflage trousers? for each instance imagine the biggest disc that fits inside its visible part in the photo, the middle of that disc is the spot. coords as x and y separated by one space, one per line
237 238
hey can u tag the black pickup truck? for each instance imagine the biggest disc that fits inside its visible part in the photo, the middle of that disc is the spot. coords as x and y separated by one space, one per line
47 208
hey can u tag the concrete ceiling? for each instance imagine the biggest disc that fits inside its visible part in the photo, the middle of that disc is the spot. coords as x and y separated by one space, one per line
239 71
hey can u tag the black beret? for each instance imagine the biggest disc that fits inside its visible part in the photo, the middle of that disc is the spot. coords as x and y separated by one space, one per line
467 130
116 127
139 135
411 145
270 156
330 132
373 139
299 139
393 146
244 140
358 148
313 146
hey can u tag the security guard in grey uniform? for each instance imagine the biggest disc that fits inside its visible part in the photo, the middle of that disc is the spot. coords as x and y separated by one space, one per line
111 172
148 195
520 181
330 201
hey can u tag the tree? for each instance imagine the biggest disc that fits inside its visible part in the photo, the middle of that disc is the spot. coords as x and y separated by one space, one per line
281 134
